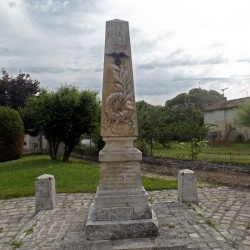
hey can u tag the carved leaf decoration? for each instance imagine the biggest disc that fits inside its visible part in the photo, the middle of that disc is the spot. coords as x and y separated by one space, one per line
113 71
125 76
130 112
116 129
121 98
119 87
116 89
129 87
114 67
120 104
130 95
129 107
129 80
116 105
115 76
106 124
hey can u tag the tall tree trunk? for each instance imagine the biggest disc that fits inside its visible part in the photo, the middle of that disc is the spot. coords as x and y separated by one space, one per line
69 147
53 147
151 146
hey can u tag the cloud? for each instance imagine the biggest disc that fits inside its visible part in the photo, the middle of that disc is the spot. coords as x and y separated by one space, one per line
241 76
12 4
247 60
59 41
48 5
178 58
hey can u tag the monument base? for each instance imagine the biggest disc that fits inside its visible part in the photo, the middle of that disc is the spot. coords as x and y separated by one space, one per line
121 208
123 229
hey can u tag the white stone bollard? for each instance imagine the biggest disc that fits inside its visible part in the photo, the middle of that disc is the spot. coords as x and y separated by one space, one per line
187 186
45 193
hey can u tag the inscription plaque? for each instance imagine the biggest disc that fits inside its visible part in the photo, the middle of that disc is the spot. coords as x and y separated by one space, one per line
120 176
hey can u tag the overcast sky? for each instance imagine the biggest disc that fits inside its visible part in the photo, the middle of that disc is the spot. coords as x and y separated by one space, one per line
175 43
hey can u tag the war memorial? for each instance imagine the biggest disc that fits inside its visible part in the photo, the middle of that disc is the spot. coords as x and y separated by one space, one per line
121 208
119 215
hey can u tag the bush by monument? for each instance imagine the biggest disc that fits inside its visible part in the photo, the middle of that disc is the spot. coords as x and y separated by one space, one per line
11 134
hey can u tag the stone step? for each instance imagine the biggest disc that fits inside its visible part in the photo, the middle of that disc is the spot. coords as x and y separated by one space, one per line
126 244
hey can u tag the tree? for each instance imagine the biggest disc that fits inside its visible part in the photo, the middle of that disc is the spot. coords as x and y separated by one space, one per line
150 122
200 98
63 116
185 116
242 116
196 98
14 91
11 134
180 119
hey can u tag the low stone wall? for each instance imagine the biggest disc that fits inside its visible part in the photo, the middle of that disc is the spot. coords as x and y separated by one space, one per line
225 173
234 174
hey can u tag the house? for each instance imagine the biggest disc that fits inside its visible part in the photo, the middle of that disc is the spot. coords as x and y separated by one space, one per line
221 116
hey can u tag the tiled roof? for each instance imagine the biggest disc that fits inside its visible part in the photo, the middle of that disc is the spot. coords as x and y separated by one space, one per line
226 104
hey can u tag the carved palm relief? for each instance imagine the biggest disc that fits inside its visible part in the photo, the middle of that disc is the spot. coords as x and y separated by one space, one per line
120 104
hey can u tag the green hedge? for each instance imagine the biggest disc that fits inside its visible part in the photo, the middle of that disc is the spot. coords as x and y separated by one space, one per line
11 134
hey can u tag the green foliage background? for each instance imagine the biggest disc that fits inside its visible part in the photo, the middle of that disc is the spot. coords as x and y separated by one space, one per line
11 134
14 91
63 116
243 114
180 119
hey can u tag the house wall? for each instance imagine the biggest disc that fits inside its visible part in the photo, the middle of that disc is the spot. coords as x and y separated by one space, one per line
224 125
36 144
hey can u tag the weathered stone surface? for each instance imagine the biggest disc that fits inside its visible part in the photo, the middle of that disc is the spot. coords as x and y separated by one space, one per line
120 175
121 208
120 227
119 149
45 193
187 186
121 200
64 227
118 97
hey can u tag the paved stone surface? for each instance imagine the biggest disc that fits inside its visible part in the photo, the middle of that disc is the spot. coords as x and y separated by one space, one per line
226 209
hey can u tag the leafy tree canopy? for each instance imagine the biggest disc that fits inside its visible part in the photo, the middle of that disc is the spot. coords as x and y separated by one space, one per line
150 122
63 116
198 98
185 111
180 119
242 116
14 91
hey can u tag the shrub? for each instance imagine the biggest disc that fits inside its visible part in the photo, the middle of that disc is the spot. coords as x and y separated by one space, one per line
11 134
99 142
142 146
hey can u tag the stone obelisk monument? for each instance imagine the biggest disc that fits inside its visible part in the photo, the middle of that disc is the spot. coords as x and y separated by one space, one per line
121 208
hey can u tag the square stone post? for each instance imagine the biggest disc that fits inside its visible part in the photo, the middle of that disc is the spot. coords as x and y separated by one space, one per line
121 208
45 193
187 186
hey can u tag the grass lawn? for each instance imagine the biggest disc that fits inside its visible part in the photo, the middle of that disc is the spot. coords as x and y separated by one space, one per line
17 178
233 148
233 152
